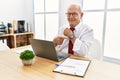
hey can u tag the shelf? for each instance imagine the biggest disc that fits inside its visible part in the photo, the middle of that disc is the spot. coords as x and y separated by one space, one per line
18 39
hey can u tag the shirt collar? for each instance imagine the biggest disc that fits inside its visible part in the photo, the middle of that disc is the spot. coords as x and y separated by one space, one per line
78 26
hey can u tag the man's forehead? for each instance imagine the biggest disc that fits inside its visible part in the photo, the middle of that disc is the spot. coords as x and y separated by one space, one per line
73 9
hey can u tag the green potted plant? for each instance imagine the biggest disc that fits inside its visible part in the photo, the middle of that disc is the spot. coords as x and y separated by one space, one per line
27 57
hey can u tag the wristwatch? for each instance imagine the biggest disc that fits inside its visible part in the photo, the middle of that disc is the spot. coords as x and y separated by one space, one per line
71 36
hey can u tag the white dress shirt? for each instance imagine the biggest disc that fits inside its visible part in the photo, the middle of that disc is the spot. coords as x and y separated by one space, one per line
84 39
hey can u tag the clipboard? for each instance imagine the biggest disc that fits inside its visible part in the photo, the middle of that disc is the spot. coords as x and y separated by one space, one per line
73 66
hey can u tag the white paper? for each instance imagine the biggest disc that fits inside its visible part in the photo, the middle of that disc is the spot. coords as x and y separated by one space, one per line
73 66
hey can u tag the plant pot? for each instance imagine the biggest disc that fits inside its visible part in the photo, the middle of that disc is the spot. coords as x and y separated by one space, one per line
28 62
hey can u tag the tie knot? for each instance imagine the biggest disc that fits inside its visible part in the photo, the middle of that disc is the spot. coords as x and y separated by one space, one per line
72 28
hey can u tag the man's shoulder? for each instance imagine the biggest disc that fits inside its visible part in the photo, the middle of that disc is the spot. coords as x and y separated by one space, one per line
86 26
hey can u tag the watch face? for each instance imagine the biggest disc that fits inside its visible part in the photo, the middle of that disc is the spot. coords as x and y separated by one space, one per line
71 36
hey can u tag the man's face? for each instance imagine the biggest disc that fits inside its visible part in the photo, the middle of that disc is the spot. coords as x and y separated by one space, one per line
74 16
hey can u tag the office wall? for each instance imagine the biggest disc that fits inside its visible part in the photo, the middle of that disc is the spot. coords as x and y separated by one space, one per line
63 9
16 10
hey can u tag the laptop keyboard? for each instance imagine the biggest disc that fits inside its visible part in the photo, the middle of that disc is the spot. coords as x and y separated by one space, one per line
61 55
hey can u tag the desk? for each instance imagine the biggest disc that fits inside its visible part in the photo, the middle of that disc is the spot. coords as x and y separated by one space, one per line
11 68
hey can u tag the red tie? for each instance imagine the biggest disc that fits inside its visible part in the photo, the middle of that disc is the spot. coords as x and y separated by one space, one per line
70 45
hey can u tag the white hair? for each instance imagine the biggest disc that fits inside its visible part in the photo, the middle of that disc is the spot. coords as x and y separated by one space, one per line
80 6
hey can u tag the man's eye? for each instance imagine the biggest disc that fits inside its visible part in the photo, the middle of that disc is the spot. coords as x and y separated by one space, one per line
73 14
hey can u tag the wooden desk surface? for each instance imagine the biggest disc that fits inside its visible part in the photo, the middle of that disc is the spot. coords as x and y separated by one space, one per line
11 68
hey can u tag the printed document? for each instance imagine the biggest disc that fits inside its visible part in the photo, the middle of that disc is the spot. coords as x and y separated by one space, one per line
73 66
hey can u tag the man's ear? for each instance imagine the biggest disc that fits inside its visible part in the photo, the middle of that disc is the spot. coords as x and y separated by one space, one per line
82 14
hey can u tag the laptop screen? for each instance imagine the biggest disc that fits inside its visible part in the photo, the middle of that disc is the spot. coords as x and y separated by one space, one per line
45 49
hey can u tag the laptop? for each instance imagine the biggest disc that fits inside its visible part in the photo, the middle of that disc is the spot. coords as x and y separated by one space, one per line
46 49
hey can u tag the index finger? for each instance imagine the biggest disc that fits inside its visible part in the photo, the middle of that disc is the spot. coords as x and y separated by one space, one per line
64 37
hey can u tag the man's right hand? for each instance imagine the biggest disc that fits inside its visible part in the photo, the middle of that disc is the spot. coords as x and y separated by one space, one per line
58 40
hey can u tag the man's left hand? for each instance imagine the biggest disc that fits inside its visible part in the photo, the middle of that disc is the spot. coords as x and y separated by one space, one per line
67 32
